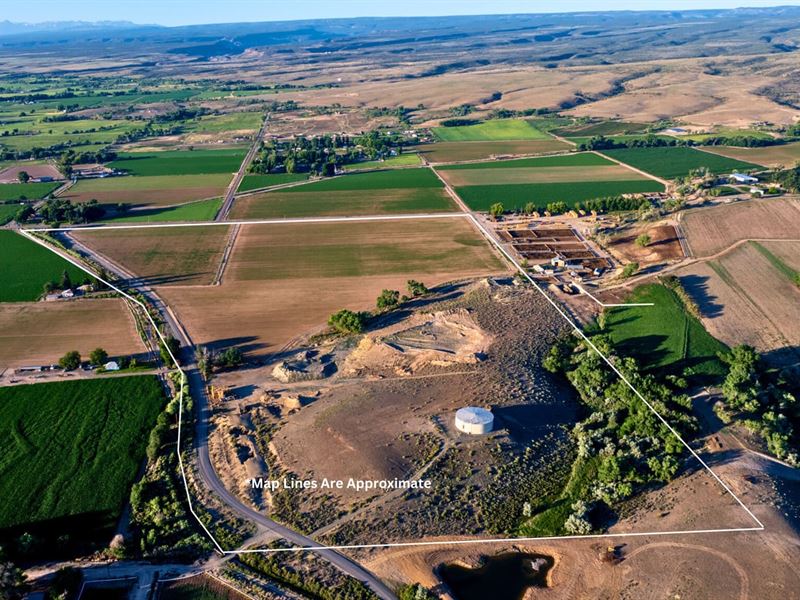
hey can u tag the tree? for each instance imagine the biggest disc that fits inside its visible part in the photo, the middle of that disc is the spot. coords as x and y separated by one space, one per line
70 361
629 270
388 299
347 321
496 210
23 177
231 357
205 361
170 345
66 282
741 388
416 288
98 357
643 240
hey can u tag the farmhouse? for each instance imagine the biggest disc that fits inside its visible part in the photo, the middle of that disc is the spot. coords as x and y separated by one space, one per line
743 178
91 171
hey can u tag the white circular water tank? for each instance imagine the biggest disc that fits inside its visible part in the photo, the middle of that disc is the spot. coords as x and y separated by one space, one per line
474 420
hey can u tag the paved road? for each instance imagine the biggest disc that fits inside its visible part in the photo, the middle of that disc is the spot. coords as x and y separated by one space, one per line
206 470
230 193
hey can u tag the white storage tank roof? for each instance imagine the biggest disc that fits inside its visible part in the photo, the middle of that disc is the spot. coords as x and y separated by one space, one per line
474 420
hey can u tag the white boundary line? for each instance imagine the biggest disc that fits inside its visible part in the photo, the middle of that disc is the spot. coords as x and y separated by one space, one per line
513 261
604 305
367 218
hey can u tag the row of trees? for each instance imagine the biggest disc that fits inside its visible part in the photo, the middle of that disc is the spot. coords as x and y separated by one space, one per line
601 142
598 205
72 359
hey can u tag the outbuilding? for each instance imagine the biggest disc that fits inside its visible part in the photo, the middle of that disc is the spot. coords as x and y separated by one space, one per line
743 178
474 420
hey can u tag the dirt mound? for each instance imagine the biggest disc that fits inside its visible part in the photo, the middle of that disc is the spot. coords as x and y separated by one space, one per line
440 339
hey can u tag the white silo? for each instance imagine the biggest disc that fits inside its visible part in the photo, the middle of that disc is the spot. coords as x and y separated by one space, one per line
474 420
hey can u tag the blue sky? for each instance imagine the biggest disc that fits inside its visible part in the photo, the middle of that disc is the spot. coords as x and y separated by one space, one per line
184 12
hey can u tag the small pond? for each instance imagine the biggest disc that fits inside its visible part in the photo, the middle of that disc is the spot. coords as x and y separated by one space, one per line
502 577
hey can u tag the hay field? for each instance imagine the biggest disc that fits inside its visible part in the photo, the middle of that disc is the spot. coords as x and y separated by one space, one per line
455 151
711 230
254 182
570 178
665 337
179 255
179 162
39 333
25 191
27 267
493 130
285 280
745 299
69 452
784 155
676 161
151 191
380 192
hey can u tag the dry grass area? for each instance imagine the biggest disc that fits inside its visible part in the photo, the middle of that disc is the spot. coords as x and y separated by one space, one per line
712 230
522 88
684 89
293 123
284 280
442 152
168 256
738 566
786 155
664 245
746 300
39 333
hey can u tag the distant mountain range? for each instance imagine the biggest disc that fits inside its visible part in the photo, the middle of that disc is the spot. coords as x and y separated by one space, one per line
10 28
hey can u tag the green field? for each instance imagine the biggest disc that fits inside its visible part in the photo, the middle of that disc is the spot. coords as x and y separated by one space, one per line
25 191
664 337
204 210
583 159
409 159
256 182
7 212
377 192
179 162
70 451
497 129
26 267
515 196
677 161
377 180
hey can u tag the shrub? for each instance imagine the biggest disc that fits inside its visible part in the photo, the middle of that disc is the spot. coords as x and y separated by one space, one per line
347 321
388 299
629 270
